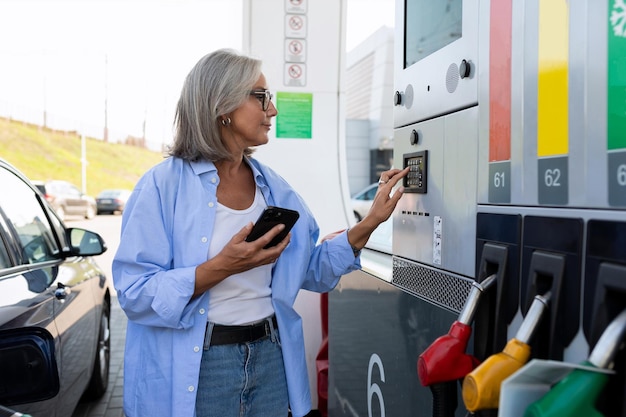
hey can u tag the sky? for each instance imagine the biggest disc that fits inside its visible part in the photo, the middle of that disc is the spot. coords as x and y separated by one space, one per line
68 56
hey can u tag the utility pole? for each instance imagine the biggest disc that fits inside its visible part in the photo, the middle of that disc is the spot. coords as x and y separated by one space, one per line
106 95
45 92
83 162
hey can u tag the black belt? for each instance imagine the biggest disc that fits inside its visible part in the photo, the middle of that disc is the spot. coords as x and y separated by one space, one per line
226 335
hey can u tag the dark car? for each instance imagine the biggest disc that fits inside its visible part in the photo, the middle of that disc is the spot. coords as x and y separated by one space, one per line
112 201
50 282
66 199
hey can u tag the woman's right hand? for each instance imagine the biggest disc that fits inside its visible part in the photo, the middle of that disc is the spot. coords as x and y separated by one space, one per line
239 256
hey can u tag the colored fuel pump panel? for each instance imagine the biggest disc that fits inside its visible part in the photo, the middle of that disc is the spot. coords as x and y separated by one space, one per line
500 102
553 102
616 123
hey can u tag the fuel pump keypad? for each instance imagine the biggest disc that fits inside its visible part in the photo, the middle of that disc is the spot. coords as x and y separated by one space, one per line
415 181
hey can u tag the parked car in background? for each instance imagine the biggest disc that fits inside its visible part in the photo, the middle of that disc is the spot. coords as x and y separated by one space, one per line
66 199
362 201
112 201
50 283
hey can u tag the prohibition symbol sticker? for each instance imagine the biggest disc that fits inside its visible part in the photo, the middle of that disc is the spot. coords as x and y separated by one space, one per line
295 26
295 6
295 47
295 50
295 71
295 75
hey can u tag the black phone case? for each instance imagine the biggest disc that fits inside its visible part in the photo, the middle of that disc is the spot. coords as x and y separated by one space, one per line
270 217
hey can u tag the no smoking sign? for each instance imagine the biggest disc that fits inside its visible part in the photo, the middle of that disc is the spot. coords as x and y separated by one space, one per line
295 26
295 50
295 74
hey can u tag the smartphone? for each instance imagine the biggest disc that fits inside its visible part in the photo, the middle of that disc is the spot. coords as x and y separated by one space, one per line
271 217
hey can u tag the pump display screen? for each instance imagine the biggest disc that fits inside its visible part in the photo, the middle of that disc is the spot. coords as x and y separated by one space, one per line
429 26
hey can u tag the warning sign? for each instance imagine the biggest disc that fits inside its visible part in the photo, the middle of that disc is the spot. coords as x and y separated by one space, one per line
295 50
295 43
295 6
295 26
295 75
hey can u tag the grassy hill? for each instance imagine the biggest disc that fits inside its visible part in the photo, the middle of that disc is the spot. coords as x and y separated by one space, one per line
43 154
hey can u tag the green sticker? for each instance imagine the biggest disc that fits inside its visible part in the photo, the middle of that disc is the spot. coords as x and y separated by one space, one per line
617 75
295 115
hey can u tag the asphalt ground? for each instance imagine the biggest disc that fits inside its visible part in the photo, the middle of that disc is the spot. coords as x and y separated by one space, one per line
110 405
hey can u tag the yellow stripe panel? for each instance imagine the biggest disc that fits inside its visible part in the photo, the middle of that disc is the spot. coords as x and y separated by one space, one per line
552 106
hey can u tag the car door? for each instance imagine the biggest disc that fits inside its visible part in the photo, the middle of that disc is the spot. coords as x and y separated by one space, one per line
63 289
27 268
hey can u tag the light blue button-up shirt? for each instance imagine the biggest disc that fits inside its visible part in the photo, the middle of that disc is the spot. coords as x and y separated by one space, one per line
166 230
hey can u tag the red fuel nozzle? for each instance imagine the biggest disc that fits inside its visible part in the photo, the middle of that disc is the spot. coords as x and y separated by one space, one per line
445 359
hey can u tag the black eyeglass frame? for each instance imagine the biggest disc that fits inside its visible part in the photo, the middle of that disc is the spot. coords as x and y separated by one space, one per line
264 96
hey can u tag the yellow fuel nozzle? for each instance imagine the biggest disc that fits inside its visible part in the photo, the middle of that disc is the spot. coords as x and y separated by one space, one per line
481 387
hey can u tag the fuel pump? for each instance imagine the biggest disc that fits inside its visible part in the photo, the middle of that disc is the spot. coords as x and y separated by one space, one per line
576 394
445 362
481 387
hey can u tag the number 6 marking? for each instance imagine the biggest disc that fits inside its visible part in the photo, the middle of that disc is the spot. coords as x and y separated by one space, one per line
374 389
621 175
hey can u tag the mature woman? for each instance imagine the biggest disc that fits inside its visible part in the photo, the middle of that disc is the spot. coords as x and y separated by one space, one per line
211 325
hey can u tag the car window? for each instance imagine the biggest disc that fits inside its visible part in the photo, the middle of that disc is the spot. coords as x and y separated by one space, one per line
367 194
4 255
19 203
54 187
371 193
108 194
72 190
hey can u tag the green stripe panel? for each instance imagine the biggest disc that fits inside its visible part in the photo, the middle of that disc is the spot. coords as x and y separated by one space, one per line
617 75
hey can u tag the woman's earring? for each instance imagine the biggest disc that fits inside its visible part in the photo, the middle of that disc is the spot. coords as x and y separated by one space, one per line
226 121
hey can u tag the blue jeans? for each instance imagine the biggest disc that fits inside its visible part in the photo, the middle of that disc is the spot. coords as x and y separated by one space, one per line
242 380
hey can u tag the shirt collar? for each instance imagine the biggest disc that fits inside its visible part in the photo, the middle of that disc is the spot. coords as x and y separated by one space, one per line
202 166
258 176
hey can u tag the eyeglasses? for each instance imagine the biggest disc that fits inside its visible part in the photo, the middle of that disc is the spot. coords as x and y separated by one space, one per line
264 97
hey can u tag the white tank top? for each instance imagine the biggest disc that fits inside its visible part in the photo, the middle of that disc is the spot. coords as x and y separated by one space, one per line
245 297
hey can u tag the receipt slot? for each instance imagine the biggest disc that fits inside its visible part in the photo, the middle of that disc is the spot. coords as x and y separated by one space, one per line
481 387
577 393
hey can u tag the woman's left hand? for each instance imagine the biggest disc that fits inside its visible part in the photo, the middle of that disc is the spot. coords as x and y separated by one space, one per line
382 207
384 202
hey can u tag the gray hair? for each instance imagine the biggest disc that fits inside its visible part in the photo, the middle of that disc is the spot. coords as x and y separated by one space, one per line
218 84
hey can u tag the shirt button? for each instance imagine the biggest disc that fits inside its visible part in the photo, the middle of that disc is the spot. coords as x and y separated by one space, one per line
201 311
196 349
204 239
211 204
190 388
213 180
